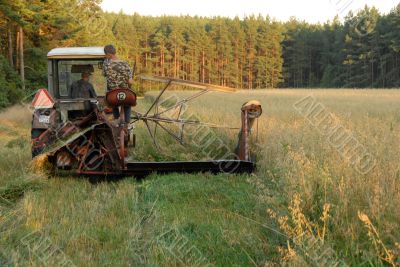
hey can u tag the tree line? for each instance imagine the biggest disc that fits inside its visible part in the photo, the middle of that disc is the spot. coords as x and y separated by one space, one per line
363 51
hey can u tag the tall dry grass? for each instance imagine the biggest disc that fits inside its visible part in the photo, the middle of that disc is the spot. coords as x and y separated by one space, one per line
18 115
304 200
296 163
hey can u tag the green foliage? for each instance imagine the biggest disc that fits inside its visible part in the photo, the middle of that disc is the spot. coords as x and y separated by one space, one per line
45 24
10 85
253 52
238 53
361 52
258 52
36 69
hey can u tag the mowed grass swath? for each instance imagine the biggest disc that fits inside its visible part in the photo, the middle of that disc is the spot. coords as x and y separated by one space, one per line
305 199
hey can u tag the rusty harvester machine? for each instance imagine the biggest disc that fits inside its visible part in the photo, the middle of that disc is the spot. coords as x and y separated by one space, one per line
77 135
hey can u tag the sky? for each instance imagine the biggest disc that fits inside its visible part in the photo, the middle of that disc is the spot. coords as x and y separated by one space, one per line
312 11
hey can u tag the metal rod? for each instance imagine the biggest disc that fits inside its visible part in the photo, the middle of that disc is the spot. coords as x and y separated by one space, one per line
182 102
170 133
155 126
158 97
151 134
181 133
179 112
193 84
211 125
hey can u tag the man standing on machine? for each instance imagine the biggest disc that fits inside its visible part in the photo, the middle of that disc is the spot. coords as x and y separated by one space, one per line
118 74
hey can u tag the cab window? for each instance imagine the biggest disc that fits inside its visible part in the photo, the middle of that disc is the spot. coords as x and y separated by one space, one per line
70 71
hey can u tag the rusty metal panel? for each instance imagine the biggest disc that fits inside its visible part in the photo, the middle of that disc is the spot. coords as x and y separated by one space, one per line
44 118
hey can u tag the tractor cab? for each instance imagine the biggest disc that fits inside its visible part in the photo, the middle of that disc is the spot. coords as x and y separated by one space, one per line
66 67
69 120
57 105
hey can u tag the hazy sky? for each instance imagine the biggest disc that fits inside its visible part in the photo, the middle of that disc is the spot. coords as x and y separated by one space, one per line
309 10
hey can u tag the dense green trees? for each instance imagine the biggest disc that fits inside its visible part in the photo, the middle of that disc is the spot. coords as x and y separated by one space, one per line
29 29
363 52
239 53
10 84
257 52
254 52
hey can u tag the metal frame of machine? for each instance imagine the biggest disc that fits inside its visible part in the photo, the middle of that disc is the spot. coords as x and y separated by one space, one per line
92 144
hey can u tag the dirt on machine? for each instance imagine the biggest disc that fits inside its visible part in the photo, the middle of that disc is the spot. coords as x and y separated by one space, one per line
79 136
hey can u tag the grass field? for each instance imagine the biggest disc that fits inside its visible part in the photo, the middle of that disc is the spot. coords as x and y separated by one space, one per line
308 203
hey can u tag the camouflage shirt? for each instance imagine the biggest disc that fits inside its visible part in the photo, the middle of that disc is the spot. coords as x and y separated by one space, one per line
117 73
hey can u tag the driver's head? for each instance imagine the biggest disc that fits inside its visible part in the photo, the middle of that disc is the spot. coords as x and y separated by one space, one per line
110 51
86 76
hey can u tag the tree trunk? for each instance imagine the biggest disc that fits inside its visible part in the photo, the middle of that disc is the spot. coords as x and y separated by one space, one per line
178 65
175 62
241 75
10 47
21 55
202 66
191 68
17 59
145 53
372 73
162 62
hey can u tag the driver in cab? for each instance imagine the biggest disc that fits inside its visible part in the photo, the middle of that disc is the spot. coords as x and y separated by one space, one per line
83 88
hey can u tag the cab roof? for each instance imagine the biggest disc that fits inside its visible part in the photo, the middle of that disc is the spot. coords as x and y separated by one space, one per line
76 52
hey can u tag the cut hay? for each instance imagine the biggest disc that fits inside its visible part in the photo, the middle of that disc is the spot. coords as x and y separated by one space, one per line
15 190
40 164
